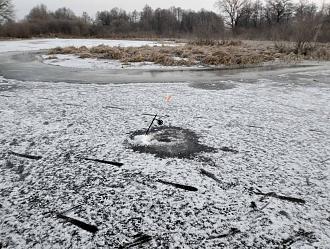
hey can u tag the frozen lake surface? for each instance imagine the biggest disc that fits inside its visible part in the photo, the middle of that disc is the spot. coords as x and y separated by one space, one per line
270 133
38 44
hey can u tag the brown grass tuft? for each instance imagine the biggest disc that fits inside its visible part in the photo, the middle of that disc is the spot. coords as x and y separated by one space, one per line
52 57
215 43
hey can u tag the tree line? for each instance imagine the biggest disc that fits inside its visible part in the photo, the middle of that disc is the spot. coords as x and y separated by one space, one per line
277 19
249 19
172 22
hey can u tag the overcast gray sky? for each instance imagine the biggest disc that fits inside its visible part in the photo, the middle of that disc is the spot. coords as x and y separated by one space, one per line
22 7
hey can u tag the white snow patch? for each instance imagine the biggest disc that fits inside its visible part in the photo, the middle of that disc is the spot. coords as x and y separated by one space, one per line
69 60
144 140
38 44
177 58
151 139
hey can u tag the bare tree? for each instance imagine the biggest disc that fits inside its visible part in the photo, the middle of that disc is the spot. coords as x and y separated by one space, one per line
64 14
6 11
38 13
86 18
257 16
305 26
278 11
146 18
232 9
322 19
323 32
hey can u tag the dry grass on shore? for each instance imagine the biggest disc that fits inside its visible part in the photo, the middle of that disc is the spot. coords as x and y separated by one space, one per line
206 53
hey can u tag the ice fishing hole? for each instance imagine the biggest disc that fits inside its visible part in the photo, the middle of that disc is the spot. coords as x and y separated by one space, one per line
168 142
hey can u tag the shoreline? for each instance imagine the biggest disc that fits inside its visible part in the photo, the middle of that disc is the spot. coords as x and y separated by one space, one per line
26 66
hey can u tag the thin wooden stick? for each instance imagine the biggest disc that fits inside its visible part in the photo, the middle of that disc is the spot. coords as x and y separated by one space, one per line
104 161
78 223
151 124
189 188
25 156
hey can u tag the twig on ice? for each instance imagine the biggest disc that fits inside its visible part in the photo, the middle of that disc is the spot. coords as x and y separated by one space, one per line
25 156
140 239
189 188
232 231
78 223
281 197
210 175
104 161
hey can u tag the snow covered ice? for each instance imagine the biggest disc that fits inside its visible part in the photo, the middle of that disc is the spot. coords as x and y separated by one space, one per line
38 44
279 126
